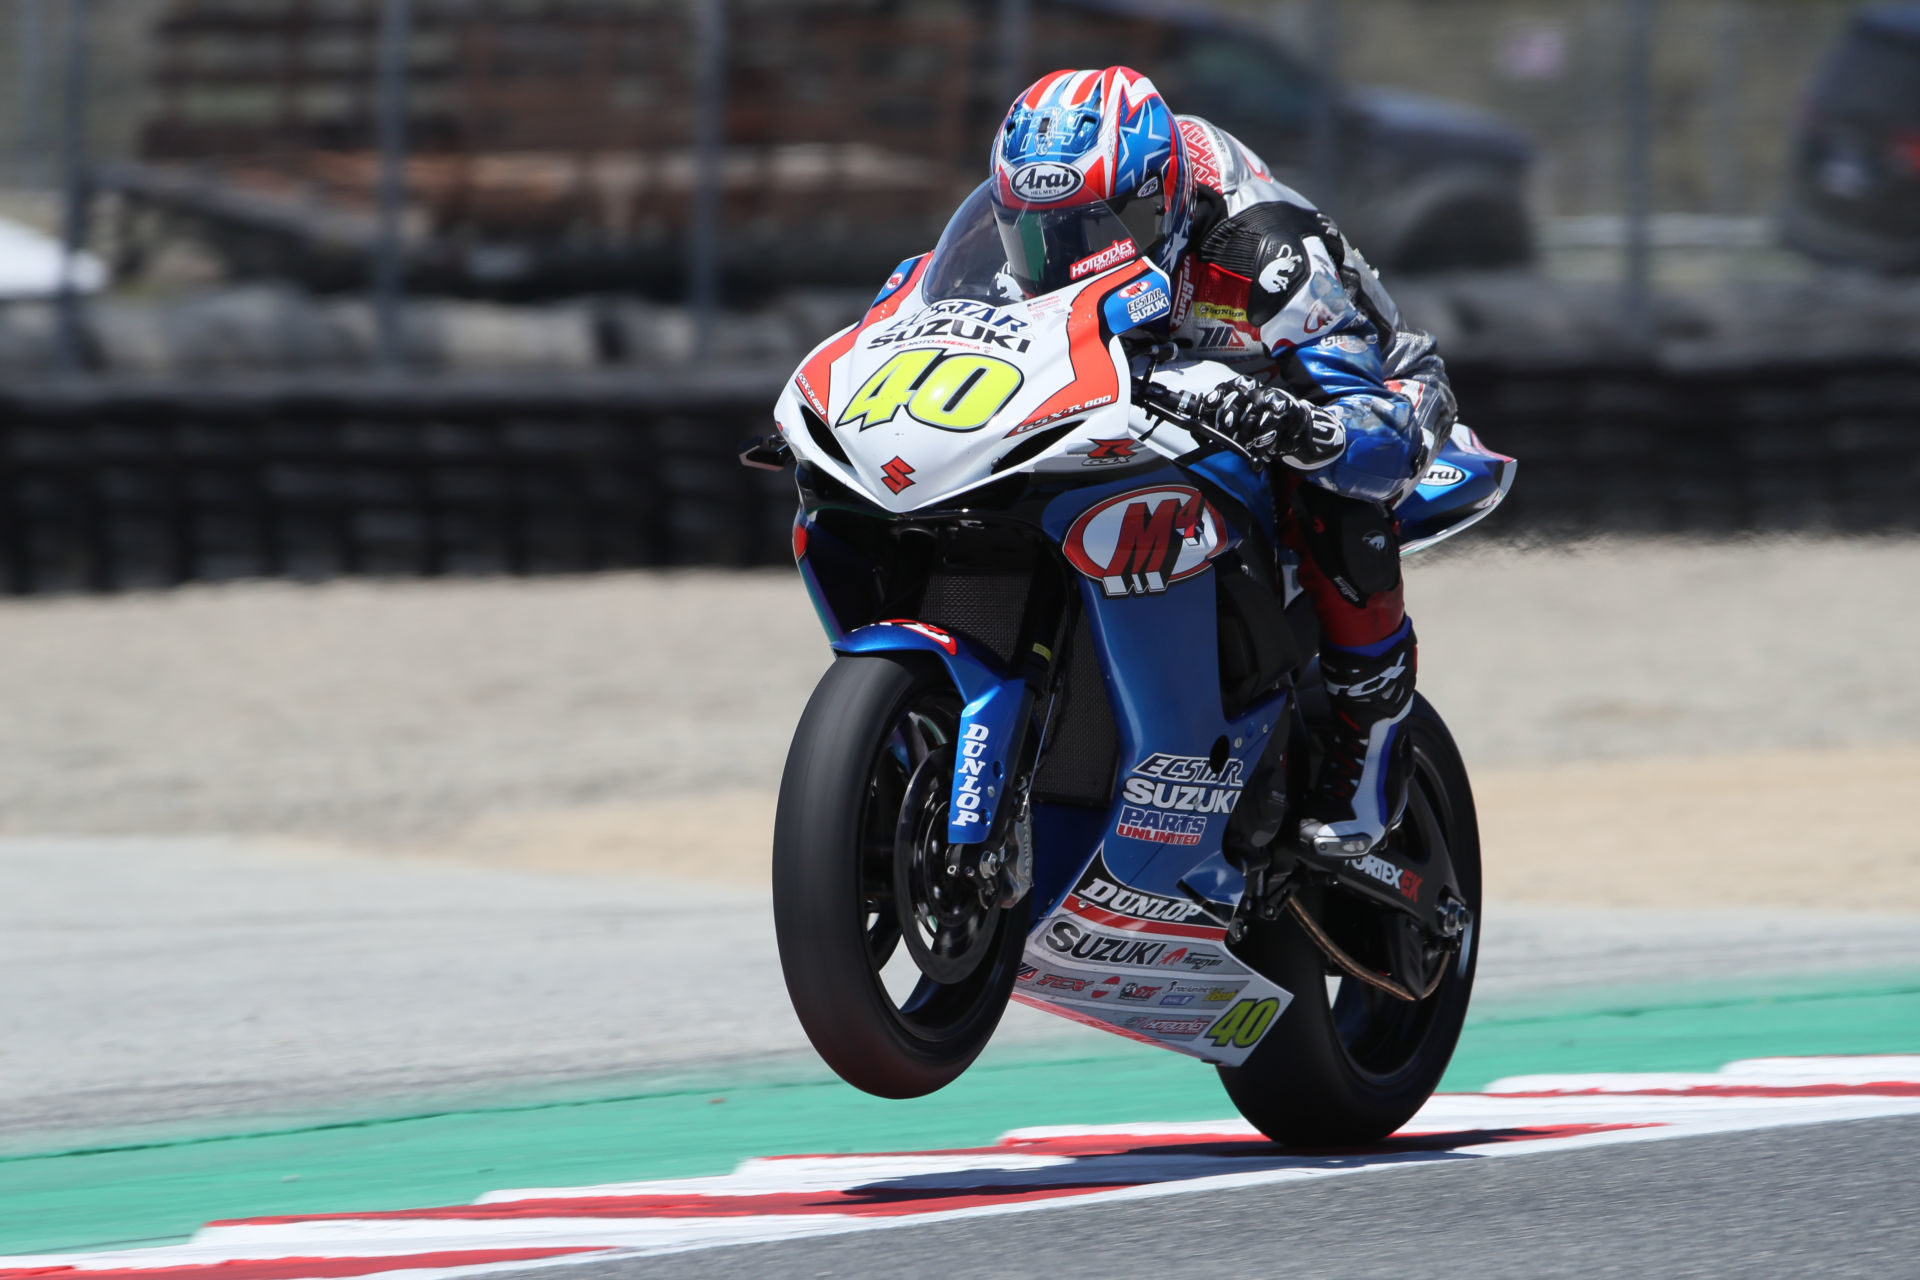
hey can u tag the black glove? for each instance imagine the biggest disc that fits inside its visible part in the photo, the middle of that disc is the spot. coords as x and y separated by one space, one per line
1269 423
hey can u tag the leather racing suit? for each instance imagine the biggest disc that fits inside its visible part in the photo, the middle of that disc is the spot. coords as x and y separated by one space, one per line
1268 288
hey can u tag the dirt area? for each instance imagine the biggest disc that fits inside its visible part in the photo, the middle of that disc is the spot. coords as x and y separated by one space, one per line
1828 830
1817 829
1648 722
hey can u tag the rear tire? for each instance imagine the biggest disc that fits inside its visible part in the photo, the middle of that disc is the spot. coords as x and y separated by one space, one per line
850 878
1351 1066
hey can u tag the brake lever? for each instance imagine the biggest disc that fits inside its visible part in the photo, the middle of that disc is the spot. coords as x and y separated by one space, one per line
1178 407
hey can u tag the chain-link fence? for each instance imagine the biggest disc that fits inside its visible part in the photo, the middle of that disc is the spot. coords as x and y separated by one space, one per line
1729 76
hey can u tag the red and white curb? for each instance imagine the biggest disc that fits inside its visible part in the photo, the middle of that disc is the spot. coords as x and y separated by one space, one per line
788 1197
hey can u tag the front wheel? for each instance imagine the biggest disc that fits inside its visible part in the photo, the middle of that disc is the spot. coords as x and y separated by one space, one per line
1349 1063
897 969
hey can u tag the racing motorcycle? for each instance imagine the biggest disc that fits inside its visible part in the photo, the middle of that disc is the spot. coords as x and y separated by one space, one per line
1074 690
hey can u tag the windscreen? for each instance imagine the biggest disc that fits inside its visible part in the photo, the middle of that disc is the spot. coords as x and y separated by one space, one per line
995 253
969 261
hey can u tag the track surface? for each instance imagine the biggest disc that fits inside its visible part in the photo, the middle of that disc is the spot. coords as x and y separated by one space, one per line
1200 1182
279 1028
189 981
1834 1201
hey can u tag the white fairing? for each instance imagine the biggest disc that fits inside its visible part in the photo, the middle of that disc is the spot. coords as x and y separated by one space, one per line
917 430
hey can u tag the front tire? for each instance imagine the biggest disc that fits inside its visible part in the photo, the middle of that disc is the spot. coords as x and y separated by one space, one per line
898 973
1349 1064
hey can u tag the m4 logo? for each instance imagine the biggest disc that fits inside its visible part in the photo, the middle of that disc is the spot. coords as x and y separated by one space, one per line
1142 542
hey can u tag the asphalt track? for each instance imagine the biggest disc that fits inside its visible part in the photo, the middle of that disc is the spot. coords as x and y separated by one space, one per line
1834 1201
205 984
444 1031
1617 1171
202 1028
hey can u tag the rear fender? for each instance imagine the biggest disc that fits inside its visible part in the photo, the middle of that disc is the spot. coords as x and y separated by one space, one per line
993 714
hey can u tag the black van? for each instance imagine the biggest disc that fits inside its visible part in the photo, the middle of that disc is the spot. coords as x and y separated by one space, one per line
1853 187
1419 183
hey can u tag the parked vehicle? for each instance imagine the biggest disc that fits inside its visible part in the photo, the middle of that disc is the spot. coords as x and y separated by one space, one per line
1424 184
1073 693
1853 185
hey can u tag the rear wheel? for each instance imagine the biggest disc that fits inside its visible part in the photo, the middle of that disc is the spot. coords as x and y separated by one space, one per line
897 969
1349 1063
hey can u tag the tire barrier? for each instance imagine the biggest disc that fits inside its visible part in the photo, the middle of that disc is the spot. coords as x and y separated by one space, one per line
1643 447
113 485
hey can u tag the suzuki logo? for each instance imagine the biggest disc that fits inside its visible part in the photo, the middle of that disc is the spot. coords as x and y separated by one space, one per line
896 473
1117 450
1045 182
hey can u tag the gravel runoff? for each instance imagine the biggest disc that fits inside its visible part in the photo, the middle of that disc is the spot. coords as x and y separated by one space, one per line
406 711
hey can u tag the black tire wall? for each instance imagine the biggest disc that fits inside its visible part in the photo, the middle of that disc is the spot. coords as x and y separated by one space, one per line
109 484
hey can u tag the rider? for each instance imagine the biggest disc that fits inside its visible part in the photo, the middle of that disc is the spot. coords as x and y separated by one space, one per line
1298 352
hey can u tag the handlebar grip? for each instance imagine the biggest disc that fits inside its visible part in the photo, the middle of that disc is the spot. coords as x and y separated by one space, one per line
1180 404
1183 409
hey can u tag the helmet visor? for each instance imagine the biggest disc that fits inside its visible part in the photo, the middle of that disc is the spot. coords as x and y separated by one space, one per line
1049 249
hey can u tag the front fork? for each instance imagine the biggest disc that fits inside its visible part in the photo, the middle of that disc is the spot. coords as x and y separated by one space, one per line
989 835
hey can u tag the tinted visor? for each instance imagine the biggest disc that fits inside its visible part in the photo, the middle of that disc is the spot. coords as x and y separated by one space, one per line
1049 249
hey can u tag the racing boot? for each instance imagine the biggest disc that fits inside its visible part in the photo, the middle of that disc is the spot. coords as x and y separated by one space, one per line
1363 781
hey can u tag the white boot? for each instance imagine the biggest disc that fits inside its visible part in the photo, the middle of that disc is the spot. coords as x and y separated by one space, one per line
1363 780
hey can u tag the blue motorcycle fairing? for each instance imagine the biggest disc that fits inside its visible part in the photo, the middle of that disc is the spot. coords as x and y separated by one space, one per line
1143 301
901 274
1169 815
1237 478
995 705
1463 484
817 546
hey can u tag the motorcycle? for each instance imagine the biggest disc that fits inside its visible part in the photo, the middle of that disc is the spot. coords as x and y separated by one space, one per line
1074 690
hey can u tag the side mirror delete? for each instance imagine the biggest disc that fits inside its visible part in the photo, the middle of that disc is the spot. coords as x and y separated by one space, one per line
766 453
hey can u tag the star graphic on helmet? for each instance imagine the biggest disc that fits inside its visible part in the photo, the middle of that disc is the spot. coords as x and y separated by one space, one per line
1140 142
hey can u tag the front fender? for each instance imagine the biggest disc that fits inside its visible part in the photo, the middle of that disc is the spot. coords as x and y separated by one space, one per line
993 713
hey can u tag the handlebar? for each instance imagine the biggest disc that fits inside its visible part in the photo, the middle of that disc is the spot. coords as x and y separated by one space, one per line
1182 408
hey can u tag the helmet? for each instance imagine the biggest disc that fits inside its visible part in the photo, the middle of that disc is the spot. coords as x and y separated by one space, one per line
1087 173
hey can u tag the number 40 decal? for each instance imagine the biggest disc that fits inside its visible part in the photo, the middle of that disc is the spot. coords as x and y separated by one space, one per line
1244 1024
954 391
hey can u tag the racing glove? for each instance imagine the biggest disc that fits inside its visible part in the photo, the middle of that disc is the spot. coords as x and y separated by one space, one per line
1270 424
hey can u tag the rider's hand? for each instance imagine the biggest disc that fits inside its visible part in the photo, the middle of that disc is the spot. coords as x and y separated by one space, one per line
1269 423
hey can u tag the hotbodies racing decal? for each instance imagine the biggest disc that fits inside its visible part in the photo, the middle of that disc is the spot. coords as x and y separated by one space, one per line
1149 967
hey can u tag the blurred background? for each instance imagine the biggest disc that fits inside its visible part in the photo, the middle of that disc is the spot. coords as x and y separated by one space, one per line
549 258
397 666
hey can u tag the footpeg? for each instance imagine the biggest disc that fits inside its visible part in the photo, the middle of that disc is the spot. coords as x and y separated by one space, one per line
1453 918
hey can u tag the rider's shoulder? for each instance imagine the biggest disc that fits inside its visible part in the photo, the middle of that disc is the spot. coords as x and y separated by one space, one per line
1231 169
1284 251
